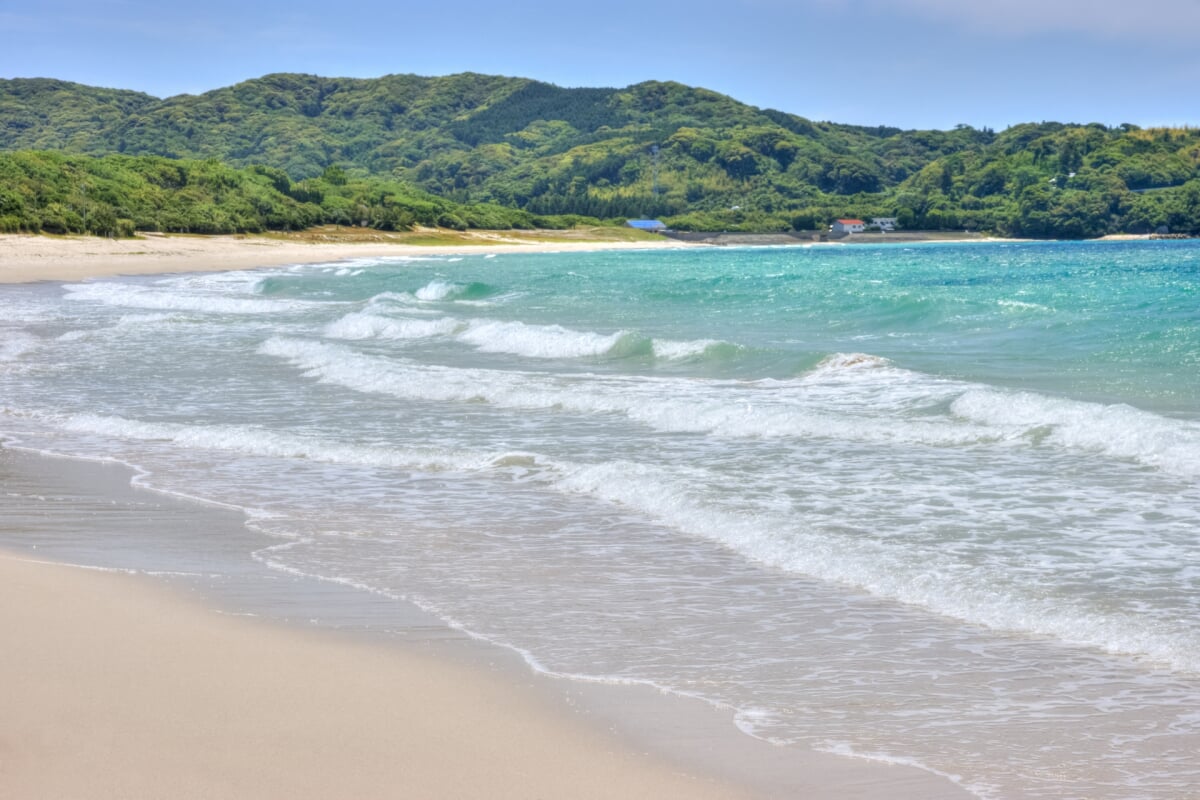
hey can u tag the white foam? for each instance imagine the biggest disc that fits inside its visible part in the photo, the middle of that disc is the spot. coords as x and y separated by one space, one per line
388 301
979 789
556 341
1021 305
129 295
1172 445
383 298
365 325
350 263
877 388
239 281
537 341
670 350
968 586
15 344
758 409
252 441
437 290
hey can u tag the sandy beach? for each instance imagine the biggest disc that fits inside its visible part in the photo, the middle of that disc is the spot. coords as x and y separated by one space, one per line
123 685
71 258
25 258
117 688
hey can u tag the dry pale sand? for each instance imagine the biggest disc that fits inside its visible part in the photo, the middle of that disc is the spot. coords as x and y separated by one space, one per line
67 258
116 688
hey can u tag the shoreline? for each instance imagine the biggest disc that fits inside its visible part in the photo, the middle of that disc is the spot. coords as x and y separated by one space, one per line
123 680
28 258
275 702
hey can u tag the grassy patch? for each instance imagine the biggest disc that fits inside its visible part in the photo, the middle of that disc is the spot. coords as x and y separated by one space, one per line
443 237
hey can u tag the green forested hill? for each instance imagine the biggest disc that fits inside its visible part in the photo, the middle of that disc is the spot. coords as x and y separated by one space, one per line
46 114
701 159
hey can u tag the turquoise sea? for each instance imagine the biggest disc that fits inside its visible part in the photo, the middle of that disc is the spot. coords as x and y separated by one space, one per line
933 504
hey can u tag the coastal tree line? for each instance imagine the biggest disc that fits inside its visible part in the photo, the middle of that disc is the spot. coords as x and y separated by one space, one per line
50 192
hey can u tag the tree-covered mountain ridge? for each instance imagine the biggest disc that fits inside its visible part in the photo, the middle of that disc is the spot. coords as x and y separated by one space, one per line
699 158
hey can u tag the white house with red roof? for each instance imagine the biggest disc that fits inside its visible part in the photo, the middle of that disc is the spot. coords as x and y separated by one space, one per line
847 226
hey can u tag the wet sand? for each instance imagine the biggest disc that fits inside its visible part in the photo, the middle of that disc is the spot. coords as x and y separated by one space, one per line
229 681
115 687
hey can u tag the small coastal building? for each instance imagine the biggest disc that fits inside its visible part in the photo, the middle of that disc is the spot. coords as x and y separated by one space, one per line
848 226
884 224
652 225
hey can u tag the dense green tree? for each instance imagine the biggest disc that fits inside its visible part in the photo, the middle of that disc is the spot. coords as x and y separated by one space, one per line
286 151
118 195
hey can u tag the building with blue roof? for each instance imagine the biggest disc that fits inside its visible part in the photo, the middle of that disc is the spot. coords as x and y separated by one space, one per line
652 225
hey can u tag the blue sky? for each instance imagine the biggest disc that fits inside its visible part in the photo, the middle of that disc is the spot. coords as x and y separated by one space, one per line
910 63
